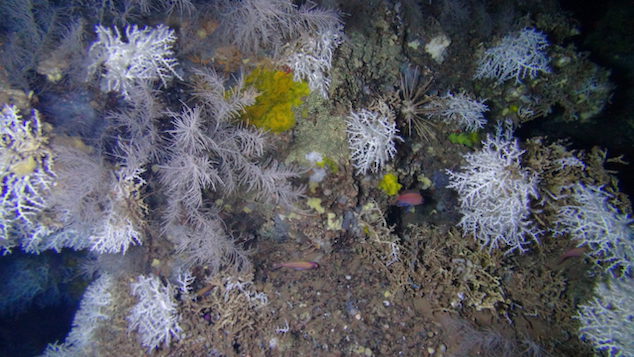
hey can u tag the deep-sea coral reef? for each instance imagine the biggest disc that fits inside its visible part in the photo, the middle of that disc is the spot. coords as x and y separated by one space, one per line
372 136
606 321
519 55
155 316
594 222
195 175
494 192
147 56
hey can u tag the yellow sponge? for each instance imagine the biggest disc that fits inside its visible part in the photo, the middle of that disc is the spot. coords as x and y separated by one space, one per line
279 93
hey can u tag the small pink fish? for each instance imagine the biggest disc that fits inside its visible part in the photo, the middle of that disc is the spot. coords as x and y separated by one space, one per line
409 199
296 265
570 253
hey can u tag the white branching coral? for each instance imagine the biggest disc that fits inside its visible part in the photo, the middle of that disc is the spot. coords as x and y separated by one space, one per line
597 224
606 321
312 59
519 55
147 56
372 136
460 110
244 285
96 307
120 227
494 192
154 316
311 54
26 169
92 206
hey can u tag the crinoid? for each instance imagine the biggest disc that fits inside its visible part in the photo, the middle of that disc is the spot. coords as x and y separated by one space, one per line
413 101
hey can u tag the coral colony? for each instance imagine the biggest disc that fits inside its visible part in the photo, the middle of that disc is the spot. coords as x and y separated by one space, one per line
185 168
93 204
146 56
96 306
597 224
27 175
372 138
519 55
495 193
460 110
606 321
155 316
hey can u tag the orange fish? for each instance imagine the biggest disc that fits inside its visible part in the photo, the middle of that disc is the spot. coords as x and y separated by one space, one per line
297 265
409 199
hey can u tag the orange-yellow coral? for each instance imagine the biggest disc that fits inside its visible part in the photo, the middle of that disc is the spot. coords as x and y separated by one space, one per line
273 108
